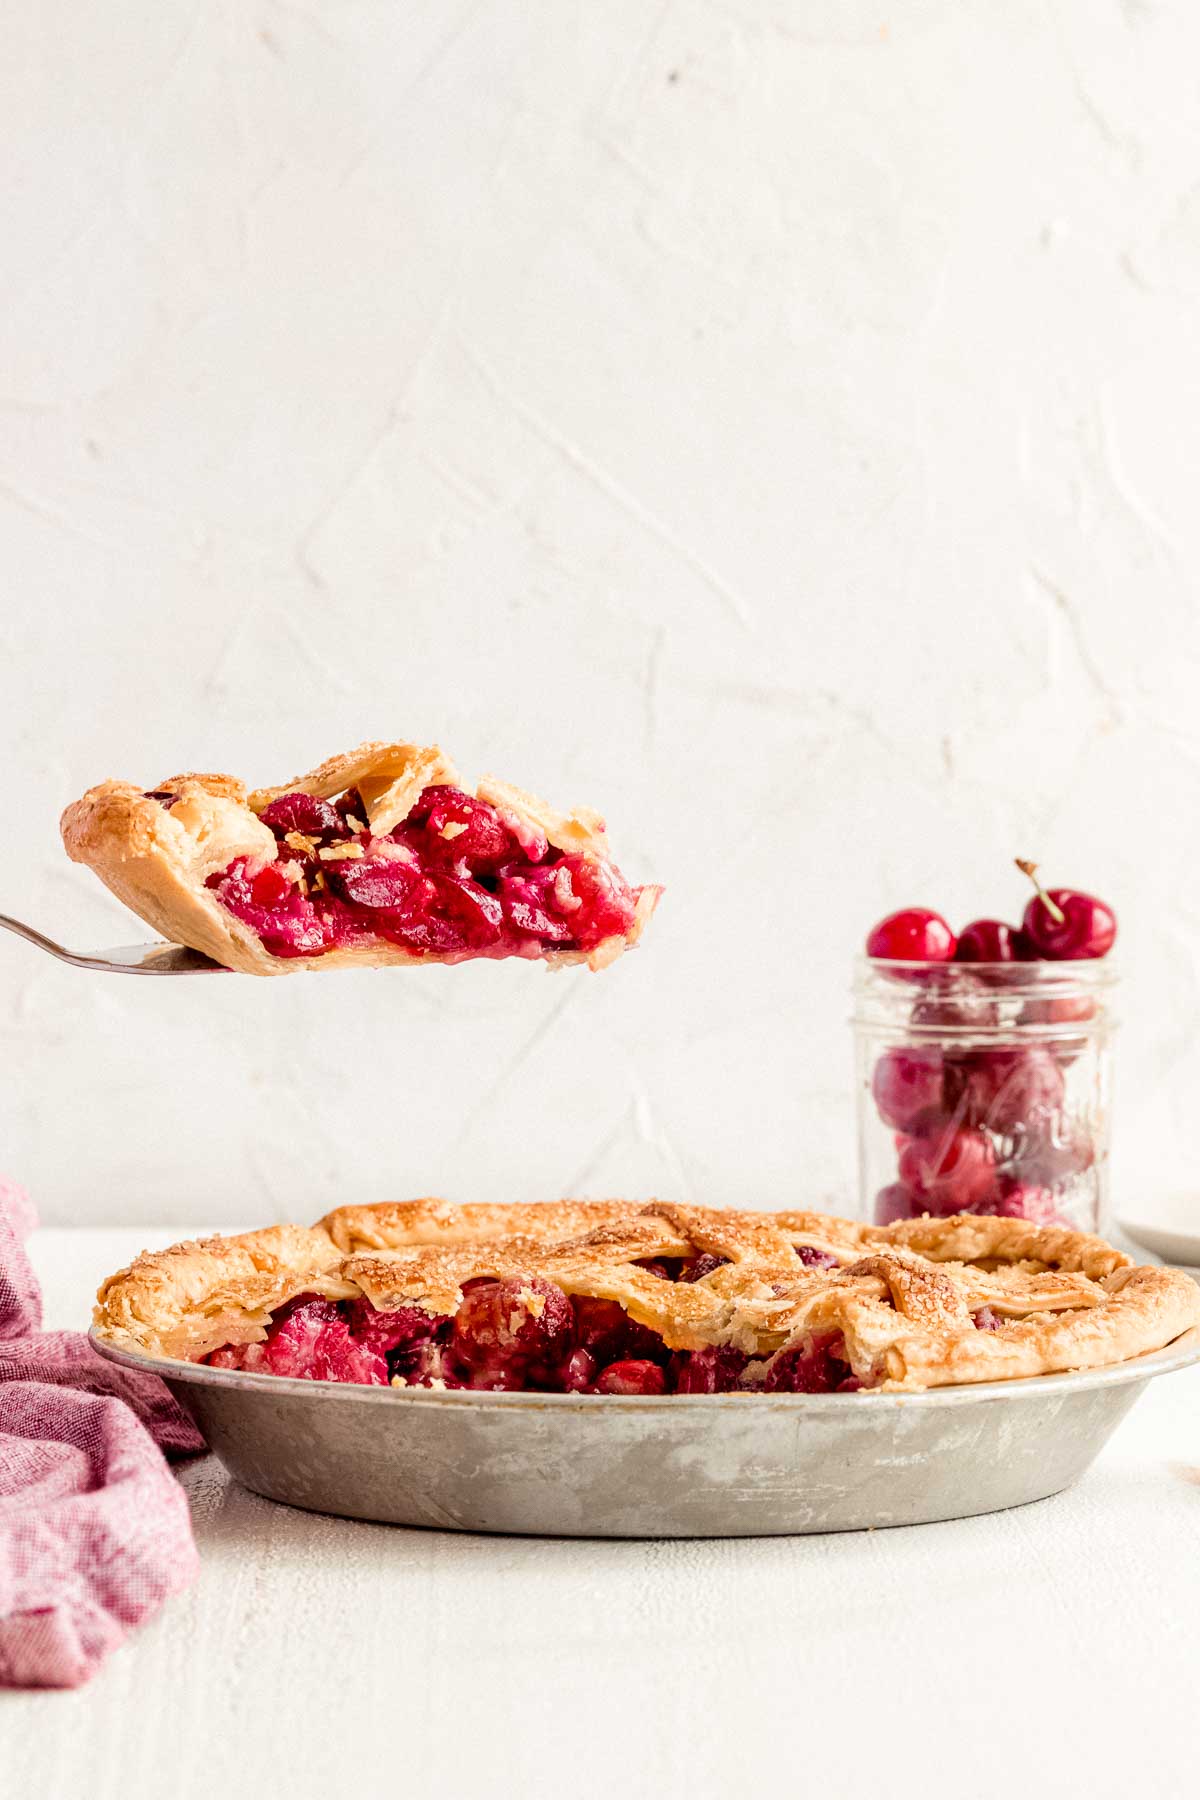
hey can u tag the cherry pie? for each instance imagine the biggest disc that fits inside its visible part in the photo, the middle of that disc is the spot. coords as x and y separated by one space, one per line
376 857
613 1297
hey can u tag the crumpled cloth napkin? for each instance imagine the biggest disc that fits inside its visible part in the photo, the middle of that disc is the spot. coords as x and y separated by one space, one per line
94 1529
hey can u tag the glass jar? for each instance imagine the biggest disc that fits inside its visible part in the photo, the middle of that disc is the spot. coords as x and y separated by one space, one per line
984 1087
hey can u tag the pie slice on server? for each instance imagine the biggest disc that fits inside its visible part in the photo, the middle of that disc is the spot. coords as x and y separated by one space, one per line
377 857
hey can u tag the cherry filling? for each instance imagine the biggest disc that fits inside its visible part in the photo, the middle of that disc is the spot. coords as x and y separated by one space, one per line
522 1333
456 878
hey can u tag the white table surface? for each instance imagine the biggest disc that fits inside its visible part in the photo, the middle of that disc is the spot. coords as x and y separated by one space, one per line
1055 1648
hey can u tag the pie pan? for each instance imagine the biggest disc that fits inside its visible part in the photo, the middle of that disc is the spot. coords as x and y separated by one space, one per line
685 1465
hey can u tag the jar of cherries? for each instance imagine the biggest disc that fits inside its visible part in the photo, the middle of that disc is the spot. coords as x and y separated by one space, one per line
984 1063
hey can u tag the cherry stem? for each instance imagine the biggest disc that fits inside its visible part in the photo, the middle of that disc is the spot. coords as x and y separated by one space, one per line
1030 868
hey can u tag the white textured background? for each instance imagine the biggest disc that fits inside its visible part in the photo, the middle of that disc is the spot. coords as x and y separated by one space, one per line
777 424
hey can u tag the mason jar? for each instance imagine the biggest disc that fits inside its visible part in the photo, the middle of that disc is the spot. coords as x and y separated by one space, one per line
985 1088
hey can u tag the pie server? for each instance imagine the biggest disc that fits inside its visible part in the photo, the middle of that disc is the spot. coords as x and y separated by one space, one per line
124 959
686 1465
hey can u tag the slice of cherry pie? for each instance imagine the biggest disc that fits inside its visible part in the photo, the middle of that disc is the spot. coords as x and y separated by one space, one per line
616 1298
377 857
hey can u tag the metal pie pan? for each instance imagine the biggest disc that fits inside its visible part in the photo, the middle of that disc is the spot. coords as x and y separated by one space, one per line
694 1465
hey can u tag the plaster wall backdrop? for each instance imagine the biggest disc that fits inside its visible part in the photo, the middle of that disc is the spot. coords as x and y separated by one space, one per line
777 424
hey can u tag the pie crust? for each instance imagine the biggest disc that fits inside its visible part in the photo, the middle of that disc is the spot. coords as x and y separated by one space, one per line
158 858
905 1298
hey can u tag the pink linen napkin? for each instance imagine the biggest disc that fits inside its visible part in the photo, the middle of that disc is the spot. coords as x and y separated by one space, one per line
94 1529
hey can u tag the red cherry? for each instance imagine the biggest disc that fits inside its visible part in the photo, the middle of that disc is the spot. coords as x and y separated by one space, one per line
953 1000
1047 1156
1020 1200
631 1377
1062 1009
951 1170
1064 924
270 886
1072 1011
305 813
503 1325
992 941
896 1202
700 1266
906 1083
576 1374
1011 1090
912 935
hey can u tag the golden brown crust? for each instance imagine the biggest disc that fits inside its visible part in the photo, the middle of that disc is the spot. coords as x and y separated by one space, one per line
396 1224
157 860
218 1289
903 1296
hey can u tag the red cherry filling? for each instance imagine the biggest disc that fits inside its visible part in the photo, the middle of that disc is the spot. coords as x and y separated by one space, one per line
632 1377
502 1328
310 1340
816 1364
912 935
516 1334
304 813
457 878
449 828
700 1266
713 1370
812 1258
606 1330
285 919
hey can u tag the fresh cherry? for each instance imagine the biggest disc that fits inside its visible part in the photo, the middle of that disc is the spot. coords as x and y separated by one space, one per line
953 1000
896 1202
1073 1012
992 941
950 1170
1045 1157
1066 925
1007 1090
912 935
906 1083
1021 1200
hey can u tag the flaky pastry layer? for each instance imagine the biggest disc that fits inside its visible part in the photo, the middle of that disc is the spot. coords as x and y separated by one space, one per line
903 1296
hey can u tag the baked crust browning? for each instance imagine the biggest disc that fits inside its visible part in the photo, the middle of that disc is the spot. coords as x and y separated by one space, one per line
905 1297
157 861
215 1290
